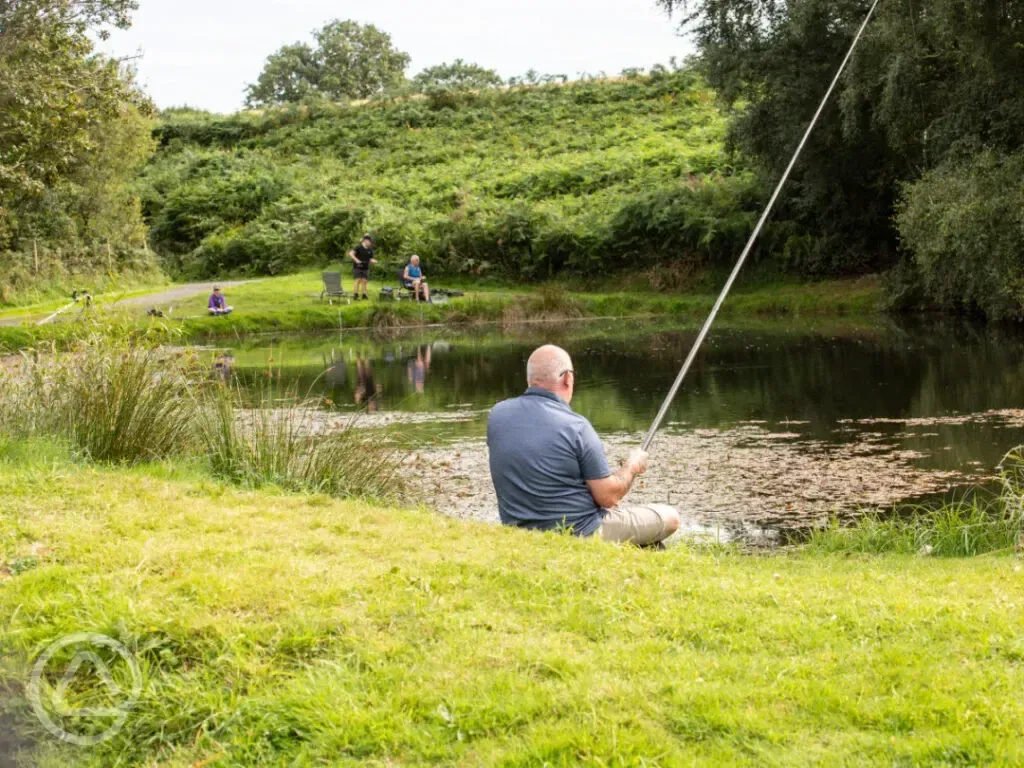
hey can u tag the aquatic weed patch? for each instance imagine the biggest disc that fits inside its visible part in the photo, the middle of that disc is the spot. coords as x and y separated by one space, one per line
747 481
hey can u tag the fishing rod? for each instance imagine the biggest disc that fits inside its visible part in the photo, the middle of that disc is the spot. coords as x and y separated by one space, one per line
753 238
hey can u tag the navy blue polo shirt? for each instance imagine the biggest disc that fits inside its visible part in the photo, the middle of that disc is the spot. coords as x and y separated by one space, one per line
542 453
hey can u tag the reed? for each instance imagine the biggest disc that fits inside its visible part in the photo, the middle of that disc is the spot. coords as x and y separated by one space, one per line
282 439
980 523
112 401
130 403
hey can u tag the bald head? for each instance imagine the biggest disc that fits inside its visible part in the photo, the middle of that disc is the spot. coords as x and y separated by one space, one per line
547 369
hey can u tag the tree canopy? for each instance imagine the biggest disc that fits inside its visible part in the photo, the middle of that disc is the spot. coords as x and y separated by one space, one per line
51 90
73 131
350 61
932 83
457 76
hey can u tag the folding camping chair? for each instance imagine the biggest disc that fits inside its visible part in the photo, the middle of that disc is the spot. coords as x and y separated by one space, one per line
332 287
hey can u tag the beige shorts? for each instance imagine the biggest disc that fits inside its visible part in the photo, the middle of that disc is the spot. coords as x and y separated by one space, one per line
639 524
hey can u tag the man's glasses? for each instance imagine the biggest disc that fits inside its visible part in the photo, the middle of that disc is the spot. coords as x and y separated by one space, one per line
567 370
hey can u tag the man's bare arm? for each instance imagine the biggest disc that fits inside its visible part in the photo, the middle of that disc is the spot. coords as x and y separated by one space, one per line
609 491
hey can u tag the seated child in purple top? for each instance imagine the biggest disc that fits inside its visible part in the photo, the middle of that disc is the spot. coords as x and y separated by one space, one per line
217 305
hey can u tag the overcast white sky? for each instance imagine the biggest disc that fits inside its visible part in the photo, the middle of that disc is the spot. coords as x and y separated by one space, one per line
204 52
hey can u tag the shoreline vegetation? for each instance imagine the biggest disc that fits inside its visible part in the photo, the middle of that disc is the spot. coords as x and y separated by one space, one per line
291 303
133 402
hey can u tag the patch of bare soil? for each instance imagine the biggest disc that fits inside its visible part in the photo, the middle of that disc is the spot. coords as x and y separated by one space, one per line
15 745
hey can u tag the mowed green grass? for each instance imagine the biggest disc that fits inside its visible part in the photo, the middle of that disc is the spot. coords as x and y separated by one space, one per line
278 629
293 300
292 303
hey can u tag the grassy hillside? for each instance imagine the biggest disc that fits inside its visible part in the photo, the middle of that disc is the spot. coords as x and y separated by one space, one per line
590 177
278 629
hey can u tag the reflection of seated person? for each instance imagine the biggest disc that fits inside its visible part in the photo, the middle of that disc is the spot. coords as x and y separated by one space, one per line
418 369
222 366
413 279
368 390
217 304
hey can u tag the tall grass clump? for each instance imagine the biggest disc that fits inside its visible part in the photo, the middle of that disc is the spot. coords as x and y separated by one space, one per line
549 303
385 319
125 402
111 401
280 439
980 523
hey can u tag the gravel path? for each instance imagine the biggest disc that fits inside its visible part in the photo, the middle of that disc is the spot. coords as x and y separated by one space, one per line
159 298
177 293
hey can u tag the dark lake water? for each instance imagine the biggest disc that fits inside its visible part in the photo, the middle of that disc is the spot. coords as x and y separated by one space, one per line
936 397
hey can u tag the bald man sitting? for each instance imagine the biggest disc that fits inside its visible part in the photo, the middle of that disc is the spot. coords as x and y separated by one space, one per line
550 470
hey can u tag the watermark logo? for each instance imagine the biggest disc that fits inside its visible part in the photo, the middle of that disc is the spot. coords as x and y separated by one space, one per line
87 705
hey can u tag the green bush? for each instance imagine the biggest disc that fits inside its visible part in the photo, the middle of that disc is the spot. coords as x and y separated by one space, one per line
964 226
265 248
210 194
711 220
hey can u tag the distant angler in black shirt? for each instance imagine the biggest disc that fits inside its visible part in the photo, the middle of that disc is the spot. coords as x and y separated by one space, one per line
362 258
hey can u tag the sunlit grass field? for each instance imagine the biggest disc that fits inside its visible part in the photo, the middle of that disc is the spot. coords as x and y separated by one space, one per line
278 629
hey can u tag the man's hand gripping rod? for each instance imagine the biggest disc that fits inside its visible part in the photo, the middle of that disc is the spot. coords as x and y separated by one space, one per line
753 238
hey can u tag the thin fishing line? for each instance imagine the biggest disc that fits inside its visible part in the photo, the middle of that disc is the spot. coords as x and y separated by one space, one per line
753 238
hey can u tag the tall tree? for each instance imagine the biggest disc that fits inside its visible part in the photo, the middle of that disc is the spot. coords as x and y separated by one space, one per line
930 79
350 61
289 76
55 95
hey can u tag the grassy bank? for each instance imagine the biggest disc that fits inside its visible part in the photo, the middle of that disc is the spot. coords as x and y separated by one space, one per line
292 303
282 304
274 627
281 629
